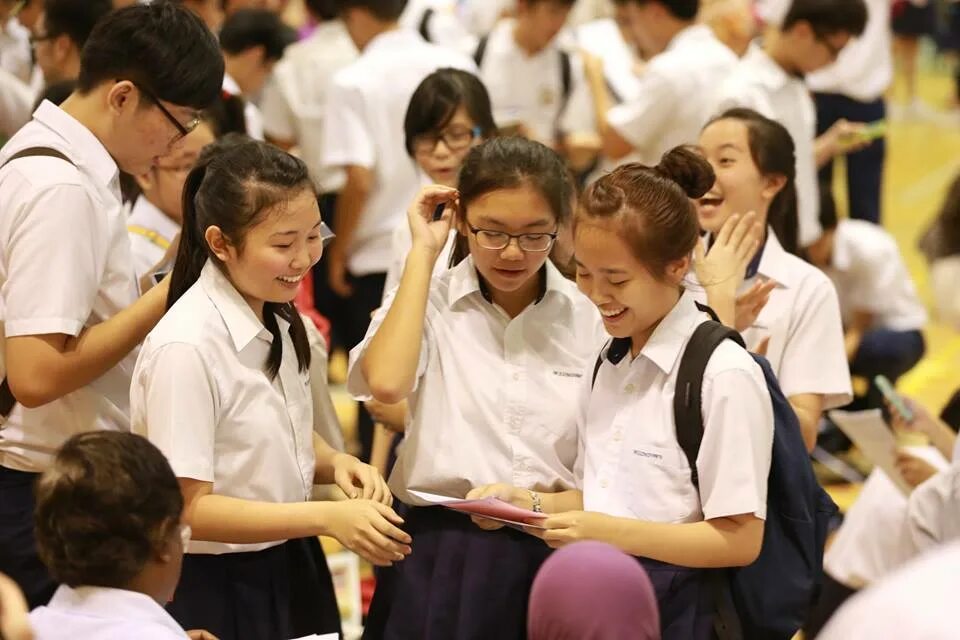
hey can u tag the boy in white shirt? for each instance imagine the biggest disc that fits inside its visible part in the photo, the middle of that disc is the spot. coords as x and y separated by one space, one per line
363 133
60 34
437 21
67 284
769 79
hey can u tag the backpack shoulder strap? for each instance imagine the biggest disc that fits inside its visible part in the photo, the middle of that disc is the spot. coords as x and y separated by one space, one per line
687 396
566 79
424 27
30 152
481 51
599 363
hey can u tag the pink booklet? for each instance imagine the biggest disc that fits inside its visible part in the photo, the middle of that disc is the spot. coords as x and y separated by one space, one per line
492 508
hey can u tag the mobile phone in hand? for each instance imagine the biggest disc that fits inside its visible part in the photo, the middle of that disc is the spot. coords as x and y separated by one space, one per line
886 388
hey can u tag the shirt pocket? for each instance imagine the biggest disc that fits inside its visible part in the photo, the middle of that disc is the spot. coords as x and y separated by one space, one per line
657 484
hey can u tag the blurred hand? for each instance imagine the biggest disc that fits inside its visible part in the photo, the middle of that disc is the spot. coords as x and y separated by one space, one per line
751 302
914 470
369 529
510 494
360 480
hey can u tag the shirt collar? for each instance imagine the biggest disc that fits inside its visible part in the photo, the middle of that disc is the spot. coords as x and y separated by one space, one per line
394 39
242 323
665 345
465 280
765 69
775 261
147 215
689 36
113 604
84 148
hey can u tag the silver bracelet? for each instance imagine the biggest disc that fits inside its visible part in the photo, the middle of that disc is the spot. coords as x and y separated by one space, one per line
537 505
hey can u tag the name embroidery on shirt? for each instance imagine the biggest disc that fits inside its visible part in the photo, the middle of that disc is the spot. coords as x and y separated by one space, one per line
567 374
647 454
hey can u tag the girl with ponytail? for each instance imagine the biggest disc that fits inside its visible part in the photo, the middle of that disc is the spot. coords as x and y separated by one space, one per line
783 306
634 235
221 387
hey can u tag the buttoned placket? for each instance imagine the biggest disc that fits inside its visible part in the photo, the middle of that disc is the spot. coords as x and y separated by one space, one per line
291 389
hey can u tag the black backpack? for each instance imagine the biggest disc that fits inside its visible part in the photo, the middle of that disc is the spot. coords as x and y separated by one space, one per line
771 598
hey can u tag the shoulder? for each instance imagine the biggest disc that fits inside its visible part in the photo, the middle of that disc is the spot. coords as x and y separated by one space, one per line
730 359
193 320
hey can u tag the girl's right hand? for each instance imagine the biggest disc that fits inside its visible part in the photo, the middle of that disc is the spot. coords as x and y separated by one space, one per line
922 421
430 234
369 529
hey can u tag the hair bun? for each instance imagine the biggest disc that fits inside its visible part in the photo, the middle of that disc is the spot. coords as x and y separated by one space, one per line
688 169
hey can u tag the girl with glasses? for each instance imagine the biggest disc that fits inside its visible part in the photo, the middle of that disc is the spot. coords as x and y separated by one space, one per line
491 355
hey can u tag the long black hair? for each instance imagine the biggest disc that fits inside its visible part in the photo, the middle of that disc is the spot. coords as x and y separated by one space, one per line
234 181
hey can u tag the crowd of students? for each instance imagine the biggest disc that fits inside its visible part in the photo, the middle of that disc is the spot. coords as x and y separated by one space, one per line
525 220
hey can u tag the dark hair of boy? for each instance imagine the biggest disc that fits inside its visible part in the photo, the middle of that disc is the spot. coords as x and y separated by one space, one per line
828 17
250 28
74 18
56 92
322 9
680 9
161 46
385 10
106 507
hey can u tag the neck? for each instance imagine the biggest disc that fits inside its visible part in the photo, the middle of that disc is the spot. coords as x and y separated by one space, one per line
672 26
524 38
378 29
147 585
514 302
777 47
89 111
639 340
256 304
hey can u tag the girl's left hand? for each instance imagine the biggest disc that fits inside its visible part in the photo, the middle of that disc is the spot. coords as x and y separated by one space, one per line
359 480
562 529
201 634
514 495
723 267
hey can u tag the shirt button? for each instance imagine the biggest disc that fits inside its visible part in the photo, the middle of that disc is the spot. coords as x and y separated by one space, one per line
629 388
603 484
616 437
516 377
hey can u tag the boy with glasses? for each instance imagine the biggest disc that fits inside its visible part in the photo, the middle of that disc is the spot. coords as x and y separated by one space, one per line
69 296
60 34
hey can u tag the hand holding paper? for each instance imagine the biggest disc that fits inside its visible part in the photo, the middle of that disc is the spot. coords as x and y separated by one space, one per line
489 507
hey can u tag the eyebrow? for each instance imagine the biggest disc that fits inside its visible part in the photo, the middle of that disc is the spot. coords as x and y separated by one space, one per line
496 223
293 232
609 272
730 145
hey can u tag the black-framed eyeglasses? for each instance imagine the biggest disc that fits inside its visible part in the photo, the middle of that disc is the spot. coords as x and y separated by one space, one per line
182 129
832 48
44 37
499 240
456 138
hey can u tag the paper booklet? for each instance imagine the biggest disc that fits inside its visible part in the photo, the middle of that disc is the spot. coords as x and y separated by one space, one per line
492 508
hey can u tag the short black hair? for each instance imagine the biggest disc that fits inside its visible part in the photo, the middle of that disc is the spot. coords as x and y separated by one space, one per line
249 28
322 9
828 17
680 9
74 18
56 92
437 98
108 505
161 46
386 10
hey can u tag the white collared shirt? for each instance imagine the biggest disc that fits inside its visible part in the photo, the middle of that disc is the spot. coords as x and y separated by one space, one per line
402 243
933 511
146 219
363 127
252 117
443 27
200 393
802 320
295 99
672 103
603 39
16 99
870 275
100 613
65 265
918 601
633 466
496 400
759 83
16 53
528 89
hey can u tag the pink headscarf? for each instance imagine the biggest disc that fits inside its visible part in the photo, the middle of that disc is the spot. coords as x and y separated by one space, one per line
592 591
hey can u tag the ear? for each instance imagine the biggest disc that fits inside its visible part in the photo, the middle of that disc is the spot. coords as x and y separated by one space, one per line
772 185
123 95
801 30
677 270
219 244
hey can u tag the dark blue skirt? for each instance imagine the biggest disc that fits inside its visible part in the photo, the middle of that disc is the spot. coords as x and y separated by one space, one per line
685 598
281 592
460 582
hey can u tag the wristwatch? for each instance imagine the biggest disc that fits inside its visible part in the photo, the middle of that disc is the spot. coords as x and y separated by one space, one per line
537 505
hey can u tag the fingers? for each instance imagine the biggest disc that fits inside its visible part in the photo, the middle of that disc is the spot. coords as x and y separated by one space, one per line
763 347
391 516
387 536
343 479
369 482
744 226
487 524
727 229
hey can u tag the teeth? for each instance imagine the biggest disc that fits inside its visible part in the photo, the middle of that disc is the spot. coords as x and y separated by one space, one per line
610 314
290 280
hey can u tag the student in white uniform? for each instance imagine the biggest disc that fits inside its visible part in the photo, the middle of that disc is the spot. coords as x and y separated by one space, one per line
537 86
363 134
221 388
157 213
634 235
60 34
253 40
800 323
109 527
67 283
16 100
769 79
490 356
16 20
438 21
685 62
883 316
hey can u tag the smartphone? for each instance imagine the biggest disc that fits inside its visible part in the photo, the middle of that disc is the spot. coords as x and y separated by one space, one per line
438 211
886 388
160 275
874 130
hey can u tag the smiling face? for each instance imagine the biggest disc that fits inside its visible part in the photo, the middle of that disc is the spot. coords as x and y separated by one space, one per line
276 253
163 185
631 300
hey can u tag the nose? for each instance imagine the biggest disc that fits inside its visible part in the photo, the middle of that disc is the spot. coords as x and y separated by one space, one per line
303 259
512 251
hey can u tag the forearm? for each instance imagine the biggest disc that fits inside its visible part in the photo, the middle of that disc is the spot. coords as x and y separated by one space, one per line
325 456
824 149
390 362
571 500
722 542
350 205
724 304
809 423
215 518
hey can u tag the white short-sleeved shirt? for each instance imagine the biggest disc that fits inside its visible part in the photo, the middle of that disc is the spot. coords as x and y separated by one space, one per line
496 400
528 89
869 274
480 16
295 99
16 53
802 320
402 243
151 232
633 466
918 601
65 265
200 393
933 512
443 27
364 127
603 39
672 103
759 83
99 613
16 99
252 117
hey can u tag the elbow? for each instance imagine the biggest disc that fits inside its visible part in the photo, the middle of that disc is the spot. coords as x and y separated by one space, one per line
751 543
389 391
32 391
809 434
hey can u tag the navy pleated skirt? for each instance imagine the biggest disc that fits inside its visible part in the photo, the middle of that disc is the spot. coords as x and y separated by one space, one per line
686 601
460 582
282 592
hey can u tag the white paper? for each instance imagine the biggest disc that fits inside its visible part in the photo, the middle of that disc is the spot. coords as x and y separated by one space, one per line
490 508
326 636
870 433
